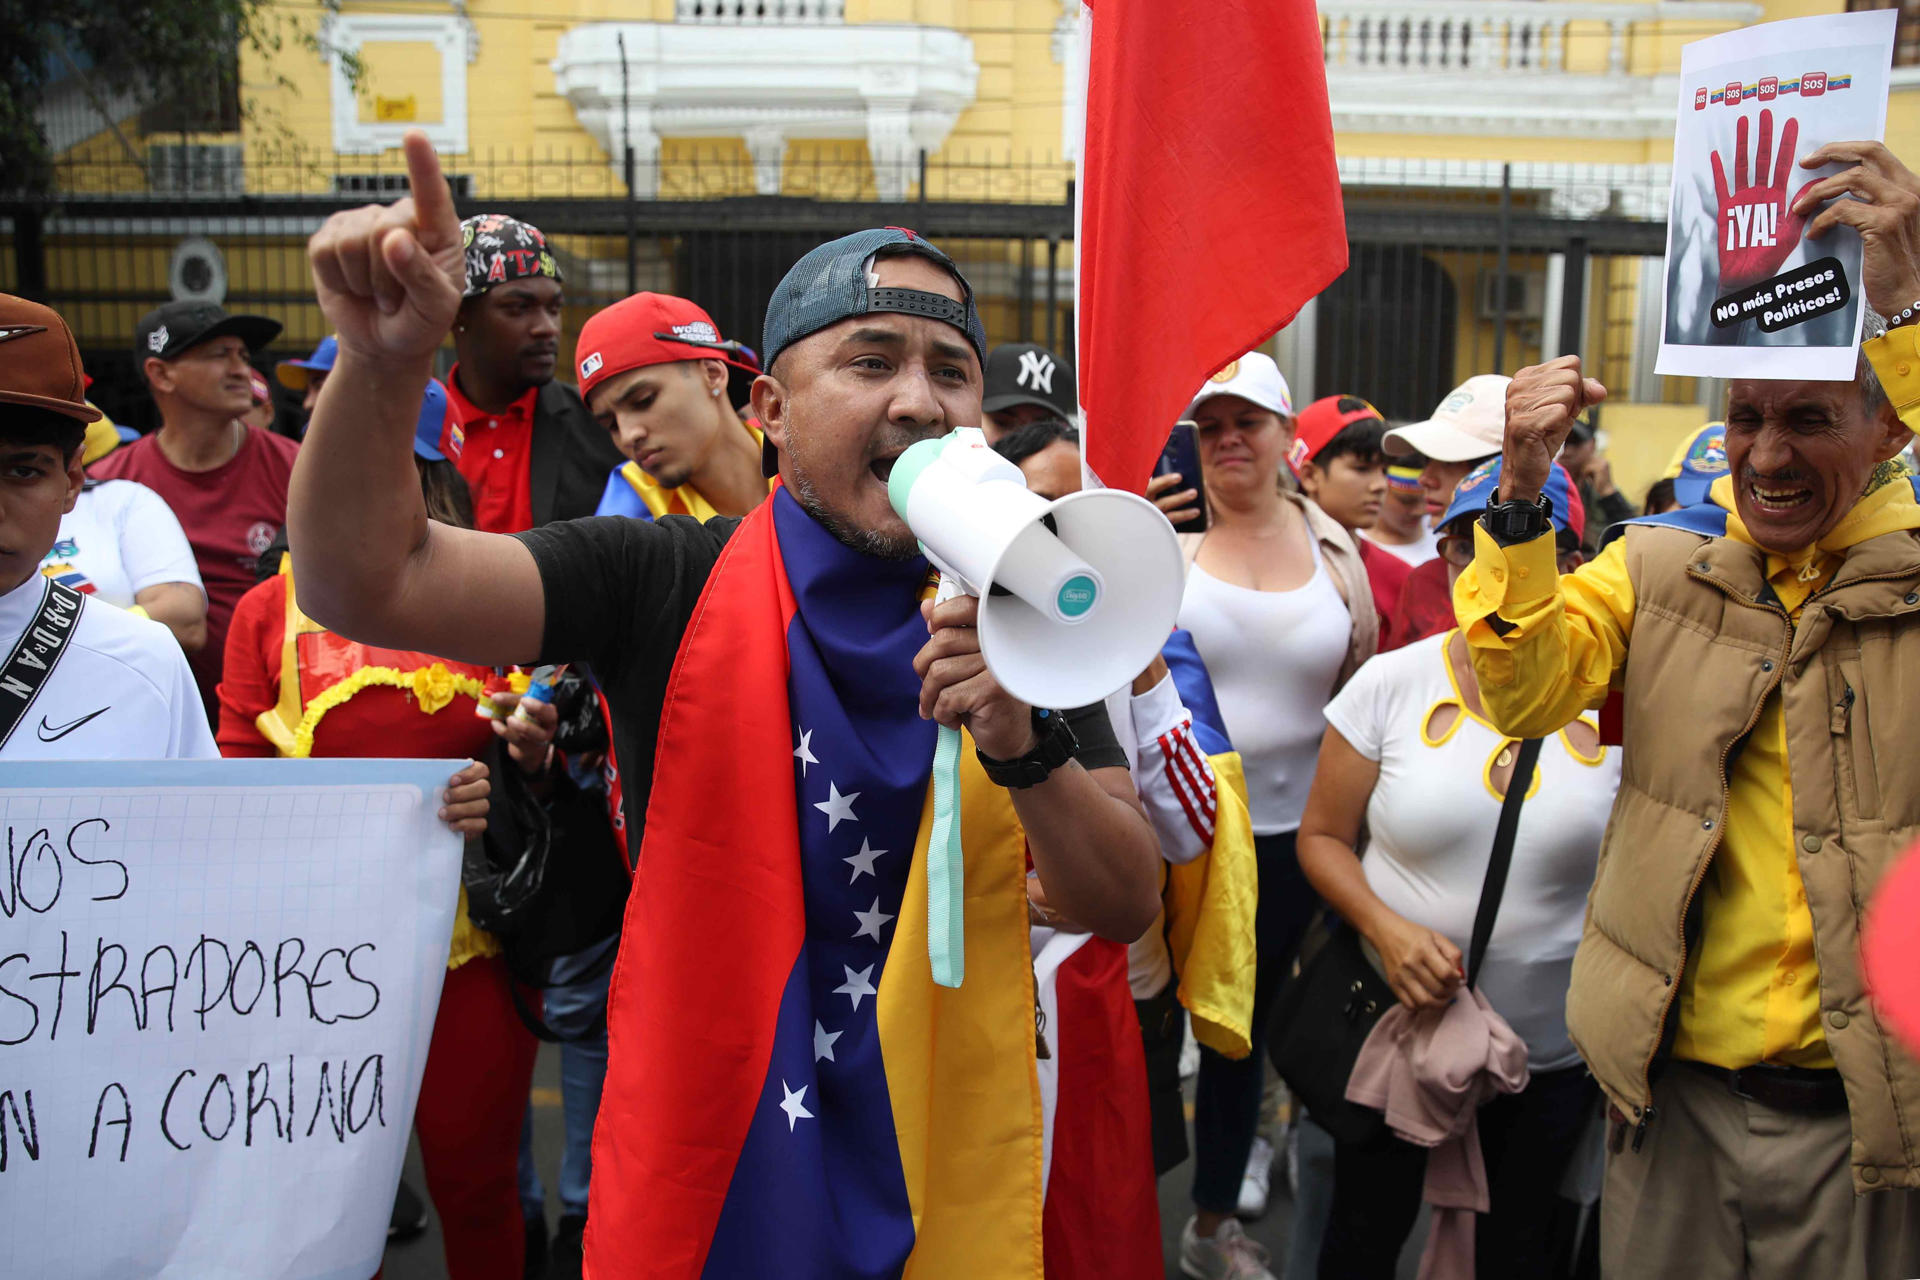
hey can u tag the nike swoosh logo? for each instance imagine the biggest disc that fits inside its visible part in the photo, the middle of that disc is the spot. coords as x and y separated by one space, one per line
53 733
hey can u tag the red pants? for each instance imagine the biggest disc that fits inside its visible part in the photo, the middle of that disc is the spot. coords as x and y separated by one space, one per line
472 1101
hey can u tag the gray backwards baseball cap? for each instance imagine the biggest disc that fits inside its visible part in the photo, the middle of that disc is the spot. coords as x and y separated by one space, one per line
829 285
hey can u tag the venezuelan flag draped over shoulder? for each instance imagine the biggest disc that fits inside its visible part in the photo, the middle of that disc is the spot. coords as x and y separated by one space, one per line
1209 205
775 1104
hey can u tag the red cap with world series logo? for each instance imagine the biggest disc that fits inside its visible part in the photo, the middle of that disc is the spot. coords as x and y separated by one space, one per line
649 329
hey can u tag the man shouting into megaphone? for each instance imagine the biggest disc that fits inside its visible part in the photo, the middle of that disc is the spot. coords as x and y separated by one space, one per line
774 1099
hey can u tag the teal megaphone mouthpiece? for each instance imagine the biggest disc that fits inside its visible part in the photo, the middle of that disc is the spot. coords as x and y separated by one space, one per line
907 468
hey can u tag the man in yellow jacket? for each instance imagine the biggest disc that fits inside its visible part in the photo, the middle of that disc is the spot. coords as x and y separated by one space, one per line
1766 647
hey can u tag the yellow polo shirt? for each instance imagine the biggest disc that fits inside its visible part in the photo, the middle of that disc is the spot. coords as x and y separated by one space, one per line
1895 356
1751 992
685 500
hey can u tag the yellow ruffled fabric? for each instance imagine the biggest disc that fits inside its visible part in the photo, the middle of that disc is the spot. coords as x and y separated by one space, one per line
433 688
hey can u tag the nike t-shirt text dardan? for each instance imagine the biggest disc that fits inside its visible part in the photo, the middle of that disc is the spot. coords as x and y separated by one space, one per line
121 688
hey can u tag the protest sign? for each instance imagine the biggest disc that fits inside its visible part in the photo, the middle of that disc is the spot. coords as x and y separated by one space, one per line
1747 296
217 984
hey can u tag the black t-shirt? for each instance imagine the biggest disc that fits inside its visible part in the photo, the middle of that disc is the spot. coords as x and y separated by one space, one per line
619 595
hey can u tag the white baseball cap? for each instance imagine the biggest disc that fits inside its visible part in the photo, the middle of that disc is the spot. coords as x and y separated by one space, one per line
1253 377
1470 423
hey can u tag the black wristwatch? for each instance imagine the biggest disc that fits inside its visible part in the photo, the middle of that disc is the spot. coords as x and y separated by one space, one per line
1055 747
1512 523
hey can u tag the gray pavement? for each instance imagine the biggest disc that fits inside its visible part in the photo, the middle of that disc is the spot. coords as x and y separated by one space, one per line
421 1259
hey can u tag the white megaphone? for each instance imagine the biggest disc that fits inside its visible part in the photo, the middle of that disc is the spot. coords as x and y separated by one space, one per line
1076 596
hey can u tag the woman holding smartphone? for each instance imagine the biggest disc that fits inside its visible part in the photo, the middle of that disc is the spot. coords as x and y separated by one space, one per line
1279 607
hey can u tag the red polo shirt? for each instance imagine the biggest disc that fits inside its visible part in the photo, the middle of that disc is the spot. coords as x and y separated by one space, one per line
492 451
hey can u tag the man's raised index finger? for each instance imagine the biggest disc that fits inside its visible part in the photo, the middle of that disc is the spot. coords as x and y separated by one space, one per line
433 208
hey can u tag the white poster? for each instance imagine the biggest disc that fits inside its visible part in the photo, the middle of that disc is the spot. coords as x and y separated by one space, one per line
1747 296
217 984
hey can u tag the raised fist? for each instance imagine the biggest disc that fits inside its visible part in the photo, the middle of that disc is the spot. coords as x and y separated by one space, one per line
390 276
1757 227
1543 401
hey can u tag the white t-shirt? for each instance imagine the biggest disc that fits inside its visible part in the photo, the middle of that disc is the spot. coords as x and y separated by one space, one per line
1273 656
1432 817
1415 553
120 538
121 689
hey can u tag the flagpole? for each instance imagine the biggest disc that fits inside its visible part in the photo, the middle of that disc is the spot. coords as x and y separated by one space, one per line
1080 67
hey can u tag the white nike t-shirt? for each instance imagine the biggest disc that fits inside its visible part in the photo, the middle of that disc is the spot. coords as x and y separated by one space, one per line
120 538
121 689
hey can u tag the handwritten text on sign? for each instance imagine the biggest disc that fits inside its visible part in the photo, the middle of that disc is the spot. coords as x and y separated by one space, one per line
217 984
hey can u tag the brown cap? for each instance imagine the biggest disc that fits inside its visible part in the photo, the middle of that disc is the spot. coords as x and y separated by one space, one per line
39 363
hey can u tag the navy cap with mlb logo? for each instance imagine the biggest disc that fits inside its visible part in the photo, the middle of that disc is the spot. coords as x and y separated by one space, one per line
172 328
1020 373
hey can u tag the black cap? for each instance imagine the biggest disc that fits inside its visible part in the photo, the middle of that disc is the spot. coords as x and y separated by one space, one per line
1028 373
169 329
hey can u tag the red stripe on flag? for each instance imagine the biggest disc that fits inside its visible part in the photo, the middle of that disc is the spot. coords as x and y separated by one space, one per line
715 922
1102 1220
1202 230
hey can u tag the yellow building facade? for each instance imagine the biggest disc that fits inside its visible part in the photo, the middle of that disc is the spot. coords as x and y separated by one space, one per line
737 113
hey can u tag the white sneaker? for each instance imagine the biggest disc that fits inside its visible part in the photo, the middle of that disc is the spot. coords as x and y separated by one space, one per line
1229 1255
1258 1179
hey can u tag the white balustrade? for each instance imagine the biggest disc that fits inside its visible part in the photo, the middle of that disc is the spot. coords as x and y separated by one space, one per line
1491 36
752 13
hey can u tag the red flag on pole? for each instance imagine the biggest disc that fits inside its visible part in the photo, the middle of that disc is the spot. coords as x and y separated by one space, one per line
1210 206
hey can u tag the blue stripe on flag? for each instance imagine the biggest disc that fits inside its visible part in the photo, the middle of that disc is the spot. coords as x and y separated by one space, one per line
818 1189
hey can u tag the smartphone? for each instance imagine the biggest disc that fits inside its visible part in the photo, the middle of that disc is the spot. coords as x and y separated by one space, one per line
1182 454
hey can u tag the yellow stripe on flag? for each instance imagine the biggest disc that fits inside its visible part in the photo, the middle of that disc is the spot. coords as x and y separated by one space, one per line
960 1062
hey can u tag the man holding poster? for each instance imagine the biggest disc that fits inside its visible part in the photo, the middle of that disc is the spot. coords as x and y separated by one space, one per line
1763 644
1748 293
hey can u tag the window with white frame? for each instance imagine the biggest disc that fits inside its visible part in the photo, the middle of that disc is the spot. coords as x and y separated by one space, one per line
452 38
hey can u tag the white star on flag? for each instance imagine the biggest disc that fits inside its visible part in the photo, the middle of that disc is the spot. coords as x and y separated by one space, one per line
862 862
856 985
870 921
794 1104
804 753
823 1042
837 807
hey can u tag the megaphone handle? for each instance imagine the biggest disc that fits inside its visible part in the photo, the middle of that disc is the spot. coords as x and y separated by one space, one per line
946 889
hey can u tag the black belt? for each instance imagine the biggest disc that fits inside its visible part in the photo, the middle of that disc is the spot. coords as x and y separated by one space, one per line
1801 1089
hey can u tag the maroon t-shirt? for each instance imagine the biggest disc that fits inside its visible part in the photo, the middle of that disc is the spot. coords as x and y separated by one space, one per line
1426 605
230 515
1387 574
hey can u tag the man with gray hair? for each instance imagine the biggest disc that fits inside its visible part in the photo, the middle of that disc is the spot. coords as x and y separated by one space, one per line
1764 1119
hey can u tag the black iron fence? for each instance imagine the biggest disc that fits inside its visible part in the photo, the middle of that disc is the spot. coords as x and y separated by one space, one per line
1455 269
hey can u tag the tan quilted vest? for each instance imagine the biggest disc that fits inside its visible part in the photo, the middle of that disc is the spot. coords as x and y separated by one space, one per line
1706 652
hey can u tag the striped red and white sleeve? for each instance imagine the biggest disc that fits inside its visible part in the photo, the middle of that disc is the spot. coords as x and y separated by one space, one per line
1175 780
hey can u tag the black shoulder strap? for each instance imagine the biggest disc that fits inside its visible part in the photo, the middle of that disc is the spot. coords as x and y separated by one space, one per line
37 653
1495 884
